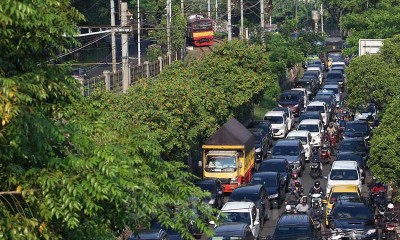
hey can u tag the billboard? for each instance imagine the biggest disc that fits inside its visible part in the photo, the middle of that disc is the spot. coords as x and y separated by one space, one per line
369 46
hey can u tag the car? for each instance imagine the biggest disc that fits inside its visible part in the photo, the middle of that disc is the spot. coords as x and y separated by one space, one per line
320 73
241 212
275 186
293 151
352 156
340 192
305 137
365 111
310 115
344 173
312 75
266 126
295 227
151 234
233 230
357 129
304 92
338 63
340 69
255 193
279 165
294 100
354 145
213 186
289 116
309 84
79 74
329 100
279 123
260 143
316 64
355 220
315 127
320 107
337 90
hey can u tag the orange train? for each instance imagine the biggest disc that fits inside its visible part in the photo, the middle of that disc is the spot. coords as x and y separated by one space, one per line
200 31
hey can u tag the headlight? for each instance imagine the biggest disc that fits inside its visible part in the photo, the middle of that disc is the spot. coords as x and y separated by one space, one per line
234 180
273 196
211 202
371 231
258 150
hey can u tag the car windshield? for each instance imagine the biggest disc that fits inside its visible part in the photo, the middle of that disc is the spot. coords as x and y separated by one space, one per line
274 119
354 127
266 181
292 232
344 174
285 150
357 146
351 212
316 108
335 90
303 84
272 167
334 75
242 217
244 196
257 138
309 127
220 163
289 98
303 139
344 196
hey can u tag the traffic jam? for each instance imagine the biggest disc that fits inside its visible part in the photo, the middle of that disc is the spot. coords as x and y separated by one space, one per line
301 172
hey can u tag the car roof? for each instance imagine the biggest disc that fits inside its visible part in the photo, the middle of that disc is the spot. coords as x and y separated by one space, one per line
325 91
316 103
356 139
247 188
305 80
290 92
345 188
310 121
275 113
348 154
294 219
331 86
311 113
232 229
238 206
313 69
301 133
344 165
281 109
256 130
287 142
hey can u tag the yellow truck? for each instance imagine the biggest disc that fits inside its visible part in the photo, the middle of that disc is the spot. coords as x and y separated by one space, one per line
229 155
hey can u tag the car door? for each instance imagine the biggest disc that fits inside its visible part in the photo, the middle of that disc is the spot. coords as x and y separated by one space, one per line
255 218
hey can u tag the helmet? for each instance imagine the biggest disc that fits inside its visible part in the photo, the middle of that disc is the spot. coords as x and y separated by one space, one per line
330 124
317 184
390 206
315 150
295 176
303 199
297 184
373 178
288 208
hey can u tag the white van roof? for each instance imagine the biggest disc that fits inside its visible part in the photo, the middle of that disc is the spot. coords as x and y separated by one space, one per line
237 206
344 165
316 103
275 113
310 122
298 133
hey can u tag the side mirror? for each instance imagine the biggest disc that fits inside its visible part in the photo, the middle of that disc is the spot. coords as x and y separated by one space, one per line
256 223
211 222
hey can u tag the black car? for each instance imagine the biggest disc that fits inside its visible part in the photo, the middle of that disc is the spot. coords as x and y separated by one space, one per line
335 76
232 230
354 219
213 186
256 194
352 156
357 129
293 100
274 184
295 227
266 126
309 84
279 165
260 143
354 145
293 151
310 115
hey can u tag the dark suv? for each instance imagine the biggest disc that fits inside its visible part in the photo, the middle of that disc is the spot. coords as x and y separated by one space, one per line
279 165
260 143
293 100
357 129
295 227
264 125
293 151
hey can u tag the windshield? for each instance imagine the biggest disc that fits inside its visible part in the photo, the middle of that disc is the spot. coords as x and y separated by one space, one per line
272 167
244 196
335 90
341 212
242 217
274 119
352 146
333 75
257 138
218 163
302 139
344 174
316 108
289 98
267 182
292 232
285 150
356 127
344 196
308 127
202 25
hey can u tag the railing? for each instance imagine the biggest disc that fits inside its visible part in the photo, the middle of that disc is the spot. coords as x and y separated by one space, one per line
113 81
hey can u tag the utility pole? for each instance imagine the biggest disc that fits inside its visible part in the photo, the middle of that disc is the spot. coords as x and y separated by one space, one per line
182 9
169 29
125 45
113 45
216 10
138 32
322 20
229 21
262 15
209 8
241 20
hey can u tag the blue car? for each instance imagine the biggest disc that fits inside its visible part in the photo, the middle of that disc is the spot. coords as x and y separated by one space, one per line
234 231
279 165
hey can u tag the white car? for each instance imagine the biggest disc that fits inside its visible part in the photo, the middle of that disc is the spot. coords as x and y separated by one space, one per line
316 129
306 95
279 123
289 116
338 93
344 173
243 212
320 107
320 73
306 140
342 64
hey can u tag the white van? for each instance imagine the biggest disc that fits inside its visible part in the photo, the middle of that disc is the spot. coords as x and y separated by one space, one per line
305 137
344 173
279 123
320 73
316 129
320 107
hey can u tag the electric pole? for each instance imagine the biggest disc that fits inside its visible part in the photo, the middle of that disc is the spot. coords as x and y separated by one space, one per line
182 9
322 20
229 21
262 14
138 32
125 45
209 8
169 29
113 45
216 10
241 20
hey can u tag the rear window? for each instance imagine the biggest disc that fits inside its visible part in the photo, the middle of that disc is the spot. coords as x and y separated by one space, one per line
316 108
308 127
274 119
335 90
290 97
343 174
332 75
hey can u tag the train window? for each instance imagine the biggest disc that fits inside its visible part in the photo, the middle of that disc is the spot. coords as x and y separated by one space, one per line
202 25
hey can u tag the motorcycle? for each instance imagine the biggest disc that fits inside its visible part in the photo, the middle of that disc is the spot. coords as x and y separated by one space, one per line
390 227
379 200
325 154
316 198
380 216
316 171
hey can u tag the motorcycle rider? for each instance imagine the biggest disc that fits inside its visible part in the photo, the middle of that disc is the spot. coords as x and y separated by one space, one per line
316 189
332 132
316 158
302 207
390 214
295 178
316 212
293 196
